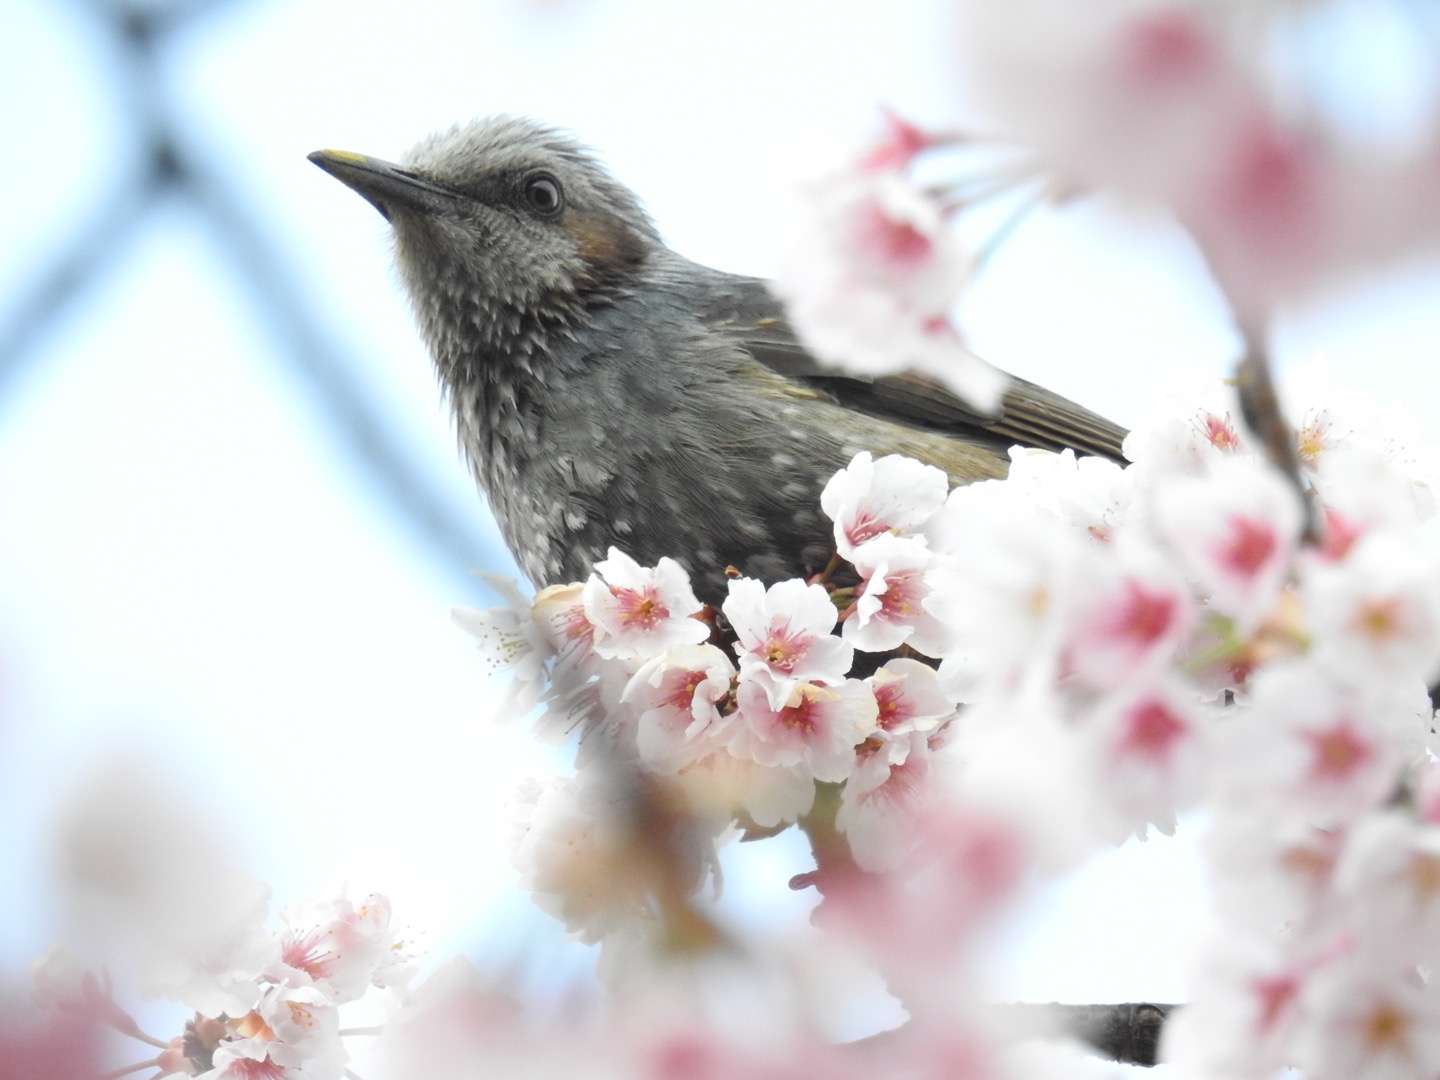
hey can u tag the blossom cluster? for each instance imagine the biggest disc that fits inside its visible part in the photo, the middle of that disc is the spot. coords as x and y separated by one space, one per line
1073 655
266 1003
1227 114
1245 123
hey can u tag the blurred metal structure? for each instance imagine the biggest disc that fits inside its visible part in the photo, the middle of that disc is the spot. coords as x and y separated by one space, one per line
140 33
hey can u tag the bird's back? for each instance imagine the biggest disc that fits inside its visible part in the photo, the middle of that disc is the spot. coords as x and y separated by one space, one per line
686 420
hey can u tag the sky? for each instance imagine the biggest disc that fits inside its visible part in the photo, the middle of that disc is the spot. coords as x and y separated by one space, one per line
199 581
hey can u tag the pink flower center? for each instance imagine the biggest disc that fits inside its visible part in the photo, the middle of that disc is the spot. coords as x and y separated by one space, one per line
1340 535
575 626
682 692
1270 186
866 526
1145 616
782 649
1380 620
902 142
1167 50
640 608
891 243
1220 433
801 717
306 954
1338 751
1152 730
1250 545
1275 992
891 701
901 596
250 1069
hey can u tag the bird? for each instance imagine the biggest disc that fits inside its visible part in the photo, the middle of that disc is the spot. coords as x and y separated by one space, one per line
609 392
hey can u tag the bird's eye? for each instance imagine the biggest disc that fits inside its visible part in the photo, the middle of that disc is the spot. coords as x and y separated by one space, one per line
543 194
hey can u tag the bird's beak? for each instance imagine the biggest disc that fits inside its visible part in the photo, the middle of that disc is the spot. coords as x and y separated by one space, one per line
384 186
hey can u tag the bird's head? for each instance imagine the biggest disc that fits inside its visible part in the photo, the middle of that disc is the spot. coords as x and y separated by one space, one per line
501 224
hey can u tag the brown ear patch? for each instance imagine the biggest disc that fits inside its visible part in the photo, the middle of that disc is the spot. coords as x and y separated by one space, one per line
606 244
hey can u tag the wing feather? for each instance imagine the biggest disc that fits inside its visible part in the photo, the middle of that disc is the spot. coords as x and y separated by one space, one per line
745 310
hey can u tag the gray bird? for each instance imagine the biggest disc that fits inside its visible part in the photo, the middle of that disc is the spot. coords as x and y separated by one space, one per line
609 391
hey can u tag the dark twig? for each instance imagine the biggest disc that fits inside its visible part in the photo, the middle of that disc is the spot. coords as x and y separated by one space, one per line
1260 406
1128 1033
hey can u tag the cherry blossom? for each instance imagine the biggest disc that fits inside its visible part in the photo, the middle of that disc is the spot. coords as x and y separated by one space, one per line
1173 102
1006 590
1149 743
1364 1017
1129 642
1235 532
638 610
676 694
870 498
1321 750
817 728
909 698
718 785
579 846
340 949
890 599
884 798
784 636
513 639
871 280
1376 614
1131 615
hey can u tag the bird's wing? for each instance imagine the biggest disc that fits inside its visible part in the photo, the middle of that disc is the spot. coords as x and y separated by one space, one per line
745 309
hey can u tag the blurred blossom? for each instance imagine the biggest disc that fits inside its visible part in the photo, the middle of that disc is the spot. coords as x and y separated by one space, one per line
874 272
145 883
1181 103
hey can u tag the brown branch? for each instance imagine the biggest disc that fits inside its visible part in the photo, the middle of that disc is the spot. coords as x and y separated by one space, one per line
1127 1032
1260 407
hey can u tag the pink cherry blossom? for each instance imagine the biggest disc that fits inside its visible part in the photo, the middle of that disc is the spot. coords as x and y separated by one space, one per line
784 636
890 599
1089 493
1006 590
637 610
909 698
1388 879
1131 614
676 694
1243 1010
1305 745
883 799
1149 753
338 947
1235 532
1375 614
525 635
1367 1016
870 498
874 273
817 728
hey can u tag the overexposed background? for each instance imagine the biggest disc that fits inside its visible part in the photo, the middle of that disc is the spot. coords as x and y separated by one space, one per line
203 568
